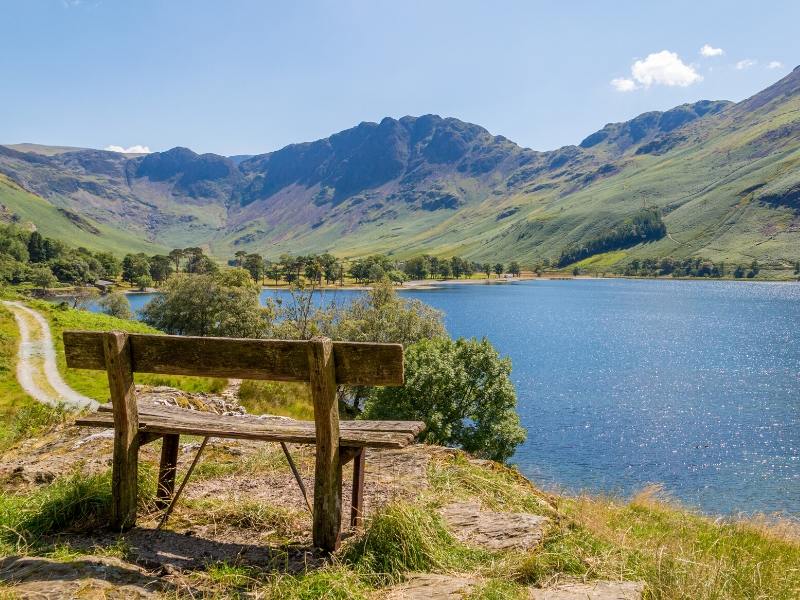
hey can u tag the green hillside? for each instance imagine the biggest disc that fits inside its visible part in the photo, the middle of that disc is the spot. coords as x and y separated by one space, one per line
30 210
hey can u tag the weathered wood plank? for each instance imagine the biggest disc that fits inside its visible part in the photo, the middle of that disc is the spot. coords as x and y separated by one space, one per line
252 431
357 499
280 360
125 463
327 469
167 469
151 409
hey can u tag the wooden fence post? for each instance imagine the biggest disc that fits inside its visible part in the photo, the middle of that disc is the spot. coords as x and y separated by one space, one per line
124 470
328 468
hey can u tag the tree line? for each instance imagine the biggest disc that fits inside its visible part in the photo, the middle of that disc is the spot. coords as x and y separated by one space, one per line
315 268
689 267
644 226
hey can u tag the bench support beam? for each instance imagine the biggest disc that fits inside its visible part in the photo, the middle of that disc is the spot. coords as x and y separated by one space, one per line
357 499
125 465
328 469
167 469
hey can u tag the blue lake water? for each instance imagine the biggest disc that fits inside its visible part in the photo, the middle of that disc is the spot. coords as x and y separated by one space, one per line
691 384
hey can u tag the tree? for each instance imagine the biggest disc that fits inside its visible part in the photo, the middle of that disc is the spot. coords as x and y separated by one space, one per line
199 263
514 268
238 259
416 268
254 264
135 266
223 304
754 269
176 255
83 297
116 304
739 272
160 267
42 277
143 282
487 268
72 270
498 269
444 270
37 251
109 264
380 315
273 271
462 390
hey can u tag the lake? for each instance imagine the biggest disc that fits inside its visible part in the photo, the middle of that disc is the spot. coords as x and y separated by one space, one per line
691 384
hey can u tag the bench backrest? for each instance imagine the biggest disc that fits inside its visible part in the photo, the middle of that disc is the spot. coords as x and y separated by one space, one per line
355 363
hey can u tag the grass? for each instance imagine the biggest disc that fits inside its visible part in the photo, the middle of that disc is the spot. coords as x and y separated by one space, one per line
277 398
677 553
403 537
94 383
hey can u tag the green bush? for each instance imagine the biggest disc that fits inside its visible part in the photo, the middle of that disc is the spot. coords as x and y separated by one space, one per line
462 390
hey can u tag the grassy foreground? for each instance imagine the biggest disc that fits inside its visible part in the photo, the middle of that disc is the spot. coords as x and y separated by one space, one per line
677 553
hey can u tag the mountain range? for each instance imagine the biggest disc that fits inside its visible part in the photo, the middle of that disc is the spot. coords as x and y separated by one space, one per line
725 176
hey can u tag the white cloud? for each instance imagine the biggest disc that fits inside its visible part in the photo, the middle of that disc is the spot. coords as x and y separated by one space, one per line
137 149
746 64
623 84
775 64
658 68
709 50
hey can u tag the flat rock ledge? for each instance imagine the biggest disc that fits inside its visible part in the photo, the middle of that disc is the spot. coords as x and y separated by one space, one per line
86 577
595 590
432 586
494 530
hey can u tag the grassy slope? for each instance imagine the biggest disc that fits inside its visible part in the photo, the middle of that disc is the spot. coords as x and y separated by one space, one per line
678 554
94 383
51 223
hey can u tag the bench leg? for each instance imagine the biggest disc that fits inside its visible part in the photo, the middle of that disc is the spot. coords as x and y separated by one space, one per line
124 469
357 504
167 469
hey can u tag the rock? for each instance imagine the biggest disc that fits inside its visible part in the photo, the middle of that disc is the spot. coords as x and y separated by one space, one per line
494 530
595 590
85 577
430 586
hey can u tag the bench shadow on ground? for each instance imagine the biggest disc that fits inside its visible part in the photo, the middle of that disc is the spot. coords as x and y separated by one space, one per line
168 552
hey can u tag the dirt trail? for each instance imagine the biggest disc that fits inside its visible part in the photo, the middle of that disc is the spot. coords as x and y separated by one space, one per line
37 371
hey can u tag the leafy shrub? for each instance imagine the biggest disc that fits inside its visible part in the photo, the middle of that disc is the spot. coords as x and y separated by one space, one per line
462 390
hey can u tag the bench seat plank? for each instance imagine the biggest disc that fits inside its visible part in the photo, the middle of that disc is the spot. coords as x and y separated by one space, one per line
153 409
249 428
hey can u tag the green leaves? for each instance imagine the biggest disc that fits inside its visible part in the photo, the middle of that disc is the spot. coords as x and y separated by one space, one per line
462 390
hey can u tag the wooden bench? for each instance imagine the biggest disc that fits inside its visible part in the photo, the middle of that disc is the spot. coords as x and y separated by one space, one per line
320 362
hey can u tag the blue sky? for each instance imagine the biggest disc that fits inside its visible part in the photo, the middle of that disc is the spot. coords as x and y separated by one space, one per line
243 77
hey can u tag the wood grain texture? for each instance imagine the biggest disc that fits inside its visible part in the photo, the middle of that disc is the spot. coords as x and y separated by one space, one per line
247 429
357 499
147 408
167 469
356 363
125 462
327 469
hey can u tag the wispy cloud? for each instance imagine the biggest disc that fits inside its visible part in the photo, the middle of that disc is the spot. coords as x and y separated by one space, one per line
709 50
623 84
746 64
136 149
659 68
775 64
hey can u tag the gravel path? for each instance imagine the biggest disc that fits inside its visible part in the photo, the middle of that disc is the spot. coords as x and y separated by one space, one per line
37 371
